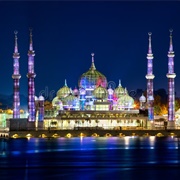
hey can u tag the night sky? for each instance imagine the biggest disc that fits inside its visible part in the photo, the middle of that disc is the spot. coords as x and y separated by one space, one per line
66 33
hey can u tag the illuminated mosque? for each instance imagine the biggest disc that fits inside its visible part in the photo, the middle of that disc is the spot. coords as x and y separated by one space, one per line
93 94
93 103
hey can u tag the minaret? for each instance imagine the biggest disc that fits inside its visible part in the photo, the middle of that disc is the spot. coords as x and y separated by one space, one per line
171 90
41 108
150 76
31 75
16 76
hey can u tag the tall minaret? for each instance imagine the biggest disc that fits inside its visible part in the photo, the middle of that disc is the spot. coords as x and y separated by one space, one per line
31 75
16 76
150 76
171 90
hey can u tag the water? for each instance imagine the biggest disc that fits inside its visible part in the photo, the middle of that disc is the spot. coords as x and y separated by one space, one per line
90 158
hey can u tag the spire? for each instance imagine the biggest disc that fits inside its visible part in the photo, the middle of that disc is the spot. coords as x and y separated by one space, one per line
125 90
120 83
31 42
16 76
16 45
92 65
149 48
171 44
31 85
171 87
150 76
16 54
65 82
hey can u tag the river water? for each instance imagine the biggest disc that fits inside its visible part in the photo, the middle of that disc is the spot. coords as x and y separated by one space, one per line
90 158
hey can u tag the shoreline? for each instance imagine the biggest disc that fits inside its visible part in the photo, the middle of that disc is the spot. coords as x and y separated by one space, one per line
88 133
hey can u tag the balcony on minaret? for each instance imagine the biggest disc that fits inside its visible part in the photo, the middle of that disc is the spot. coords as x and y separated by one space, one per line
171 75
16 76
150 56
31 75
31 53
16 55
150 76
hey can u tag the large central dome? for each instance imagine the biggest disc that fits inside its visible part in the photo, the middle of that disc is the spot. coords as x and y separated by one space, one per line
92 78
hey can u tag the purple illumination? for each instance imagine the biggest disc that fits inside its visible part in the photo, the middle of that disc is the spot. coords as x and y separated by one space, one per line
89 81
92 78
150 77
41 108
16 76
171 75
31 75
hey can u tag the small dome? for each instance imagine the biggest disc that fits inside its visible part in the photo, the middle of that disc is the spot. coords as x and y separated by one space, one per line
64 91
110 91
92 78
119 91
69 100
41 98
75 92
100 93
126 101
56 102
142 98
82 91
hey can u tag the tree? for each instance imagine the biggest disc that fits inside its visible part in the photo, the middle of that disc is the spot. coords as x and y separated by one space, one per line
164 109
157 109
157 100
177 104
136 104
47 105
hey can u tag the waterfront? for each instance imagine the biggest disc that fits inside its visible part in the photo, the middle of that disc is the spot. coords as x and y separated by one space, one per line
90 158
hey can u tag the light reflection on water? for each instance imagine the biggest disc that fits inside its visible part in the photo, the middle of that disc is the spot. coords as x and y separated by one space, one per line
89 157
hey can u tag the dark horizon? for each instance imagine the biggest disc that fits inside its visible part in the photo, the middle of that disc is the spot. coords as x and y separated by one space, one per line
66 33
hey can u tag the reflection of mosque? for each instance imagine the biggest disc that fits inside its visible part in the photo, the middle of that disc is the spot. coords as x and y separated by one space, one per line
94 103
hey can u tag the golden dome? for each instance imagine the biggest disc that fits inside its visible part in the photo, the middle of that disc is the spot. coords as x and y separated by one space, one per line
119 91
56 102
70 100
100 92
126 101
92 78
64 91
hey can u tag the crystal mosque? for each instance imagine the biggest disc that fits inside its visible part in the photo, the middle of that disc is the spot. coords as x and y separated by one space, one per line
93 103
93 94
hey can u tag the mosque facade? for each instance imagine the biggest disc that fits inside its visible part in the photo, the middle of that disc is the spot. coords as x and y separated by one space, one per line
93 93
93 103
